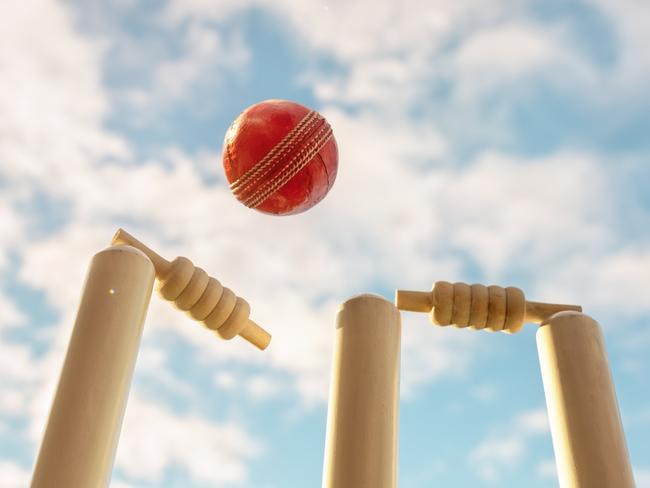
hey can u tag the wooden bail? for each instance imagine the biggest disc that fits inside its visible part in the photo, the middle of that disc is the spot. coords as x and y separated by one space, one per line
477 306
201 296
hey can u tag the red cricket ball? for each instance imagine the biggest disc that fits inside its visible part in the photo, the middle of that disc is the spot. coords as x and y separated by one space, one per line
280 157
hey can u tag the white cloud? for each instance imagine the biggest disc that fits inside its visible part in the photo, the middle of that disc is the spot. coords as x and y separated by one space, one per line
57 265
262 387
500 453
389 52
12 401
547 469
615 289
225 380
485 393
502 207
9 313
505 51
642 477
15 362
13 475
18 379
392 82
534 422
630 19
429 354
13 227
203 46
155 439
392 57
494 455
359 30
206 56
51 100
121 484
517 53
153 366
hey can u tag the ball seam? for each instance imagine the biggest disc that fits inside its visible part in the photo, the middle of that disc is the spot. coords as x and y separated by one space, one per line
275 155
315 145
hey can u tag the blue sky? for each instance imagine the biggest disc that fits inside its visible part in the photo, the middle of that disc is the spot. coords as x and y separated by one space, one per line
495 142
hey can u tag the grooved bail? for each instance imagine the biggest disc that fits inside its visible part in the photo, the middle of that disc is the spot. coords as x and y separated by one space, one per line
202 297
478 306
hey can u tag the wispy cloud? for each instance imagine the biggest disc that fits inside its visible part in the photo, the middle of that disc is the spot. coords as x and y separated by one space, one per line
156 439
13 475
504 451
642 477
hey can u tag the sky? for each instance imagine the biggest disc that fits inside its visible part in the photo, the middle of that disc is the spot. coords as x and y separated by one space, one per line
501 141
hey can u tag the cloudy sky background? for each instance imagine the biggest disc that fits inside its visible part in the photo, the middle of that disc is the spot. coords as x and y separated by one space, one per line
495 141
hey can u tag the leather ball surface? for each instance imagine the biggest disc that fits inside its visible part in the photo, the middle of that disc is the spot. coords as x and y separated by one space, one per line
280 157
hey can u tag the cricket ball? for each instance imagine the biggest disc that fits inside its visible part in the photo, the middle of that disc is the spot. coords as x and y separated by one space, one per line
280 157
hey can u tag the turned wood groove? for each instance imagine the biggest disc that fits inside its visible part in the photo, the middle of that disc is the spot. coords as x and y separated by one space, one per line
491 307
201 296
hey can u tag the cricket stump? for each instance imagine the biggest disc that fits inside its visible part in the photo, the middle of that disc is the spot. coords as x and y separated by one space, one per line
588 438
80 440
362 424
